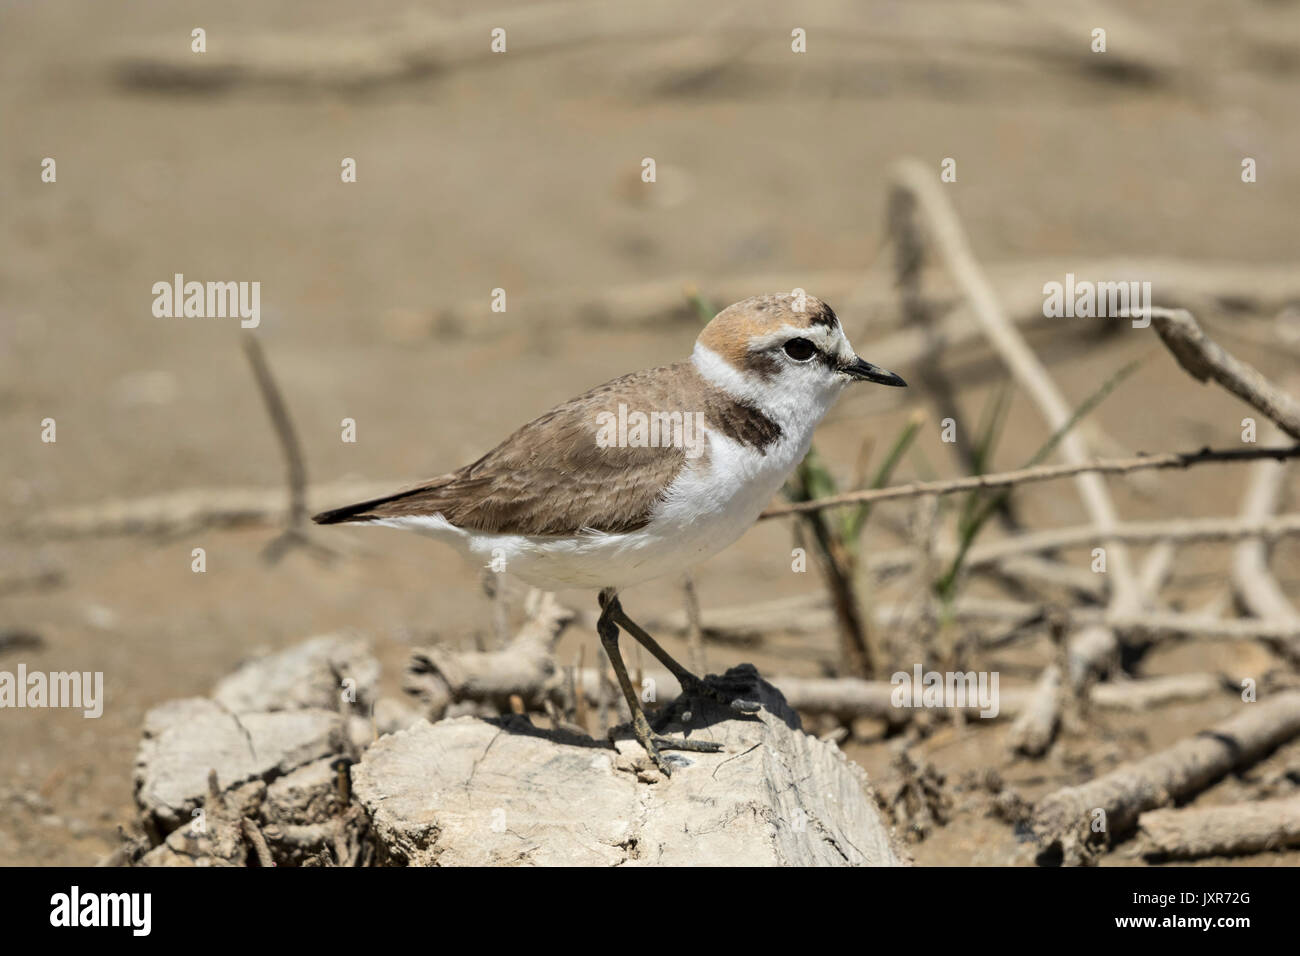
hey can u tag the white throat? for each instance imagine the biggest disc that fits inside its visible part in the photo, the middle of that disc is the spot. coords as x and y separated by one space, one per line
797 403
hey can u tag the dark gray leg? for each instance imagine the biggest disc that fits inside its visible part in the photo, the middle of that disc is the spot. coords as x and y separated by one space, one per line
607 628
692 686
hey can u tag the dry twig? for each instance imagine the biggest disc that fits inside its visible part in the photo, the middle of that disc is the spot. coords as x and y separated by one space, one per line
1201 358
1251 578
1006 479
295 533
1134 532
1065 820
1221 831
525 669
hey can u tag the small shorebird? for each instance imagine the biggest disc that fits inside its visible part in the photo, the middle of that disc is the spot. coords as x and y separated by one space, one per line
647 474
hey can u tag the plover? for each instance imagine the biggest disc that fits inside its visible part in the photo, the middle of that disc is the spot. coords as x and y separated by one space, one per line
645 475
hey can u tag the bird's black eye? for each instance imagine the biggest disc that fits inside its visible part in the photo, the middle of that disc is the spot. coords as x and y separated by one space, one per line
801 350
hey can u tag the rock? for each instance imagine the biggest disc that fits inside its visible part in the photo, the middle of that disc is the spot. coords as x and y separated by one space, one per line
476 791
185 739
305 795
468 791
309 674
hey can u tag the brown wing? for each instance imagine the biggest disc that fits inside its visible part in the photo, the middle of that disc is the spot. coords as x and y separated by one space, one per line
550 477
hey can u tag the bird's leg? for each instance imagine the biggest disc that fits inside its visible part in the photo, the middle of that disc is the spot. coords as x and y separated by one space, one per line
692 686
652 742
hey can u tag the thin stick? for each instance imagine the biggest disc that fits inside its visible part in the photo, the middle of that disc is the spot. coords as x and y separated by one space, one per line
694 632
804 615
1135 532
1251 577
275 407
602 689
1112 466
1156 569
1203 359
191 509
1164 624
254 836
639 671
849 698
909 255
295 532
899 561
570 710
836 564
580 699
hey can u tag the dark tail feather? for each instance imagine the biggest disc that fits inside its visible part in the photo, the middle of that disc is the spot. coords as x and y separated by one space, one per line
357 512
373 510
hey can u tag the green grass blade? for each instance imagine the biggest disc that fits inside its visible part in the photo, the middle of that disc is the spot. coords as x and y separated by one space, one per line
946 584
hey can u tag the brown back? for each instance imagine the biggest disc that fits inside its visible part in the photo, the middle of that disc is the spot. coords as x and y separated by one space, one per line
551 478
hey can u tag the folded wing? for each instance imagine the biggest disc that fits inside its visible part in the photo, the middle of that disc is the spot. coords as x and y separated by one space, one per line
551 477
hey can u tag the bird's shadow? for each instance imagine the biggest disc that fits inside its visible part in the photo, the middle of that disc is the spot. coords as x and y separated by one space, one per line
680 716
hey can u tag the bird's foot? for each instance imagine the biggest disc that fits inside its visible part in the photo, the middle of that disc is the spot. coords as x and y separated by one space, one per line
655 743
684 743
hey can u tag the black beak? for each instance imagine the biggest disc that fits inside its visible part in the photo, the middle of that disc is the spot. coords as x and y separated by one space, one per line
872 373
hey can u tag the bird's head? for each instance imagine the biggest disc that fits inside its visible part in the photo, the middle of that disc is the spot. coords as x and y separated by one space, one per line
783 345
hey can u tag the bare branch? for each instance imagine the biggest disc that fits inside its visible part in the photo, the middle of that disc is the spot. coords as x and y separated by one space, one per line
1201 358
190 509
1066 818
1004 479
295 533
275 407
1251 578
1221 831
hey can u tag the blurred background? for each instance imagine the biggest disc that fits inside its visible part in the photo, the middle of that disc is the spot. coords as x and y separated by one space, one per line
523 171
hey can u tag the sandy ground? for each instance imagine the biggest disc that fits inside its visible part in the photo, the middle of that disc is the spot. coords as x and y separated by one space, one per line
522 172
